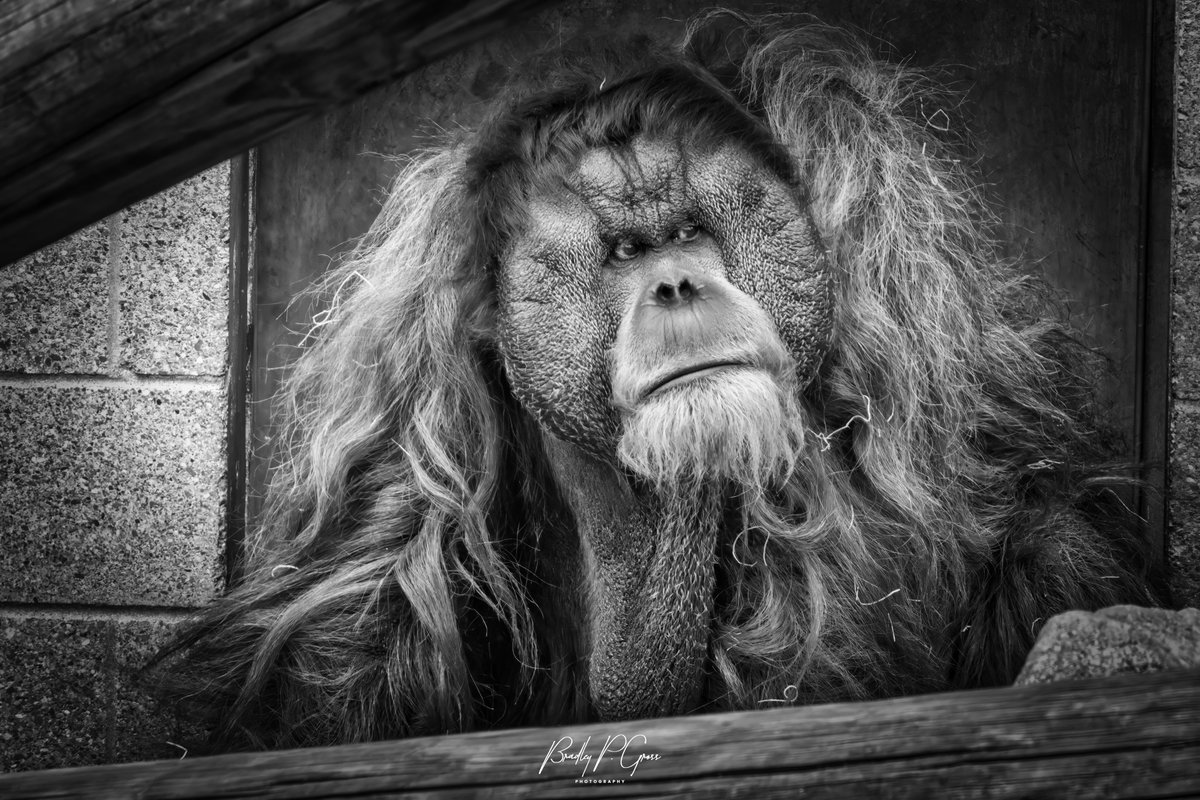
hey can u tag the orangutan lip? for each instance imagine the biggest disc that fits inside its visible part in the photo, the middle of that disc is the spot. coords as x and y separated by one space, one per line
691 373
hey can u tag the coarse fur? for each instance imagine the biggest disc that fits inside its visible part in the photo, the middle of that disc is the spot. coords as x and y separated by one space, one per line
943 494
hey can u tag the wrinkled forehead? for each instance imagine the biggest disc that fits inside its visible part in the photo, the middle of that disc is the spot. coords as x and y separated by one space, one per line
647 173
650 185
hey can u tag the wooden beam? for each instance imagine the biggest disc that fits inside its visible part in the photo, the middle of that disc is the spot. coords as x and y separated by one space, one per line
1126 736
104 102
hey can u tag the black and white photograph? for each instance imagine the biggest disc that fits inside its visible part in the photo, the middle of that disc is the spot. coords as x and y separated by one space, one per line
599 398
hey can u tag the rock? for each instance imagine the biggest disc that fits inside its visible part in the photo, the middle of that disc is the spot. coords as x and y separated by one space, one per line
1111 641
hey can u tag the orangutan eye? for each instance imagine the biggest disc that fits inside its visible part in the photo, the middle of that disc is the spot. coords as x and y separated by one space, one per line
686 233
626 250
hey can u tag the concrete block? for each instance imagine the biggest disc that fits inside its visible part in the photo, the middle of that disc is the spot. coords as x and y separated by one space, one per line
174 268
54 307
1113 641
142 727
55 707
1183 497
74 694
1187 83
1185 289
112 495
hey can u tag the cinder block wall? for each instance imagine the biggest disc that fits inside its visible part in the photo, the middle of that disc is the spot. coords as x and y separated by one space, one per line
113 408
1184 468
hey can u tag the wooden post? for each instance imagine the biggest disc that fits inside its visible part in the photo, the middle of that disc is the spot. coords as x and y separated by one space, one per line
1126 736
104 102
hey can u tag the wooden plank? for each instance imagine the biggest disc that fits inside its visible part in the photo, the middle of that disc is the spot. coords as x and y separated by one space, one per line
238 379
1153 370
1126 736
103 102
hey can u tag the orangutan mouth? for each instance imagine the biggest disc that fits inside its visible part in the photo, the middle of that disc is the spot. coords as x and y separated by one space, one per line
692 373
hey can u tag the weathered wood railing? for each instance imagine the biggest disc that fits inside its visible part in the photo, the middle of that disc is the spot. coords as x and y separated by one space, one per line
1127 736
103 102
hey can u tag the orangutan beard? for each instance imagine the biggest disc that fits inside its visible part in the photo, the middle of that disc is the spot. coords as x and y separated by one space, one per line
740 428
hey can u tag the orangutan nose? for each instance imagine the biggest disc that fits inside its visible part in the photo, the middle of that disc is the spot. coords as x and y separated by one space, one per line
674 293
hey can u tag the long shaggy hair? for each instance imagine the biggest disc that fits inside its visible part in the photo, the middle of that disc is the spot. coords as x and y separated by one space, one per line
943 490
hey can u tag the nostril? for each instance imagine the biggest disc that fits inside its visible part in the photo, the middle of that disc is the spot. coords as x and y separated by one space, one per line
666 294
685 289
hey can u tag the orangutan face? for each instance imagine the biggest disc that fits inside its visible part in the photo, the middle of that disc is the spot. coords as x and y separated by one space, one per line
663 296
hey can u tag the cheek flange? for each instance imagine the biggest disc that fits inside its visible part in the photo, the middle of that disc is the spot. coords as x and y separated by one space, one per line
771 251
554 338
